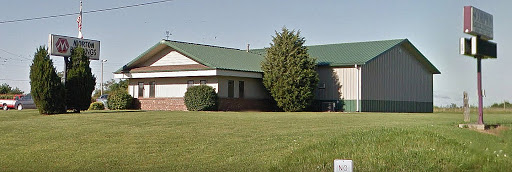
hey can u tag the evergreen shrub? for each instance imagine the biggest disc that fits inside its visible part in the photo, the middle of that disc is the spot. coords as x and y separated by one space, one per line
289 73
97 106
46 87
80 81
201 98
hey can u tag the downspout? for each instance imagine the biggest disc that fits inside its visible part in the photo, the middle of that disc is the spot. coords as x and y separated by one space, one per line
357 95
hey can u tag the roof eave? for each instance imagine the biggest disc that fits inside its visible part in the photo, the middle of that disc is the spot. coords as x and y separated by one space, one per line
120 70
186 53
428 64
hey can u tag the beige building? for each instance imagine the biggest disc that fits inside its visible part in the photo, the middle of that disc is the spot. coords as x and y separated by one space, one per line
159 77
383 76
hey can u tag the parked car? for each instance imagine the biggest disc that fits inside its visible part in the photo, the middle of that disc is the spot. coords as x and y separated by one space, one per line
19 102
103 99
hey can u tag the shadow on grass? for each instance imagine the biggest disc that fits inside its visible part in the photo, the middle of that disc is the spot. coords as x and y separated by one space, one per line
109 111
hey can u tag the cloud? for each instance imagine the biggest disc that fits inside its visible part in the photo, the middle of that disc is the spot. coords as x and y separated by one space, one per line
437 96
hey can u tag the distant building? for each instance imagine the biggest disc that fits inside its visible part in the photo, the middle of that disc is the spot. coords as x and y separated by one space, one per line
378 76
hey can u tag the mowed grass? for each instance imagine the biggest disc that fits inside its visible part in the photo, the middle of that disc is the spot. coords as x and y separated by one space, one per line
249 141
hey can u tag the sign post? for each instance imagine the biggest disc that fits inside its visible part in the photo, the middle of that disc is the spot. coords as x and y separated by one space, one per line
479 87
479 24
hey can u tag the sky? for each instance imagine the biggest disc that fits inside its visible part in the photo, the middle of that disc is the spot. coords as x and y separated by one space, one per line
433 26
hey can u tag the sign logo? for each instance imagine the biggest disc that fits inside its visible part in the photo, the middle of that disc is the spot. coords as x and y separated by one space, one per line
62 45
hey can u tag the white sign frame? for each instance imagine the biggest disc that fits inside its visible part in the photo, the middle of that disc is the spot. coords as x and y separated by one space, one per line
59 45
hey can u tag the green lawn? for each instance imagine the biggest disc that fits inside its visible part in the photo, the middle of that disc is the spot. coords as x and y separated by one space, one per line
249 141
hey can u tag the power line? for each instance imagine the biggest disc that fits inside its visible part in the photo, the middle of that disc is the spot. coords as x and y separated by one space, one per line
93 11
14 54
14 80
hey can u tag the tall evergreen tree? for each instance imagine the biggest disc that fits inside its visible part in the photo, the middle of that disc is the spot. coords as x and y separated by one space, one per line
46 87
289 74
79 81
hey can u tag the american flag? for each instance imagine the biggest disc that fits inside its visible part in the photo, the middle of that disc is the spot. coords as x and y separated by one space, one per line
79 21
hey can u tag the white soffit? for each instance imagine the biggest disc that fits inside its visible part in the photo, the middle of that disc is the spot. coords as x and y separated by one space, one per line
215 72
174 58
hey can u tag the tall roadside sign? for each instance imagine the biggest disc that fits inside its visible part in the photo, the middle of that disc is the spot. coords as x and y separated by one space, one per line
479 24
59 45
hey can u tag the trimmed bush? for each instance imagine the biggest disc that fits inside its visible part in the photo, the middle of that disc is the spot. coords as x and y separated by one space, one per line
201 98
97 106
119 100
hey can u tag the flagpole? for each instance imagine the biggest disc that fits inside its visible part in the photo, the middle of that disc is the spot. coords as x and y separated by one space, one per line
79 21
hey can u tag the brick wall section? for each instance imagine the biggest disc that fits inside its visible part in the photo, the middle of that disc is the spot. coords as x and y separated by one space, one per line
172 104
225 104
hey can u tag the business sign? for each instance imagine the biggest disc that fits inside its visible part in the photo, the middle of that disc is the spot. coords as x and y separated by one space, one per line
62 45
484 49
478 48
478 23
341 165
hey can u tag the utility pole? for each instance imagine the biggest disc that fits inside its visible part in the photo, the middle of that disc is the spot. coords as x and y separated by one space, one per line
101 84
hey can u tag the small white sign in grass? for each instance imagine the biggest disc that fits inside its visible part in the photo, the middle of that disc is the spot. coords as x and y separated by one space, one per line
342 165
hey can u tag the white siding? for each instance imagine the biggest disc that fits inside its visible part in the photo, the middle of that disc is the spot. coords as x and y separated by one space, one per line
169 87
397 76
174 58
132 90
340 83
176 87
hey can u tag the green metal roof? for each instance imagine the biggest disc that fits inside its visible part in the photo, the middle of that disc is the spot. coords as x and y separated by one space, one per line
346 54
343 54
350 53
211 56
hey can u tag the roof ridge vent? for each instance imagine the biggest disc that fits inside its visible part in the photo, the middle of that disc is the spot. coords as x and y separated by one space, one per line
206 45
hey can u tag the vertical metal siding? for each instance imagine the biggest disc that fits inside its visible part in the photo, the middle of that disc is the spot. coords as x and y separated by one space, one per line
396 76
340 83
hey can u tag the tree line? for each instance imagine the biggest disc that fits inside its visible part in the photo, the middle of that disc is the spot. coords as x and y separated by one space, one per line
6 89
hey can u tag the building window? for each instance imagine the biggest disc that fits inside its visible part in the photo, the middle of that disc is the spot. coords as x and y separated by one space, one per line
320 94
321 85
141 89
152 89
190 83
202 82
231 88
241 89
